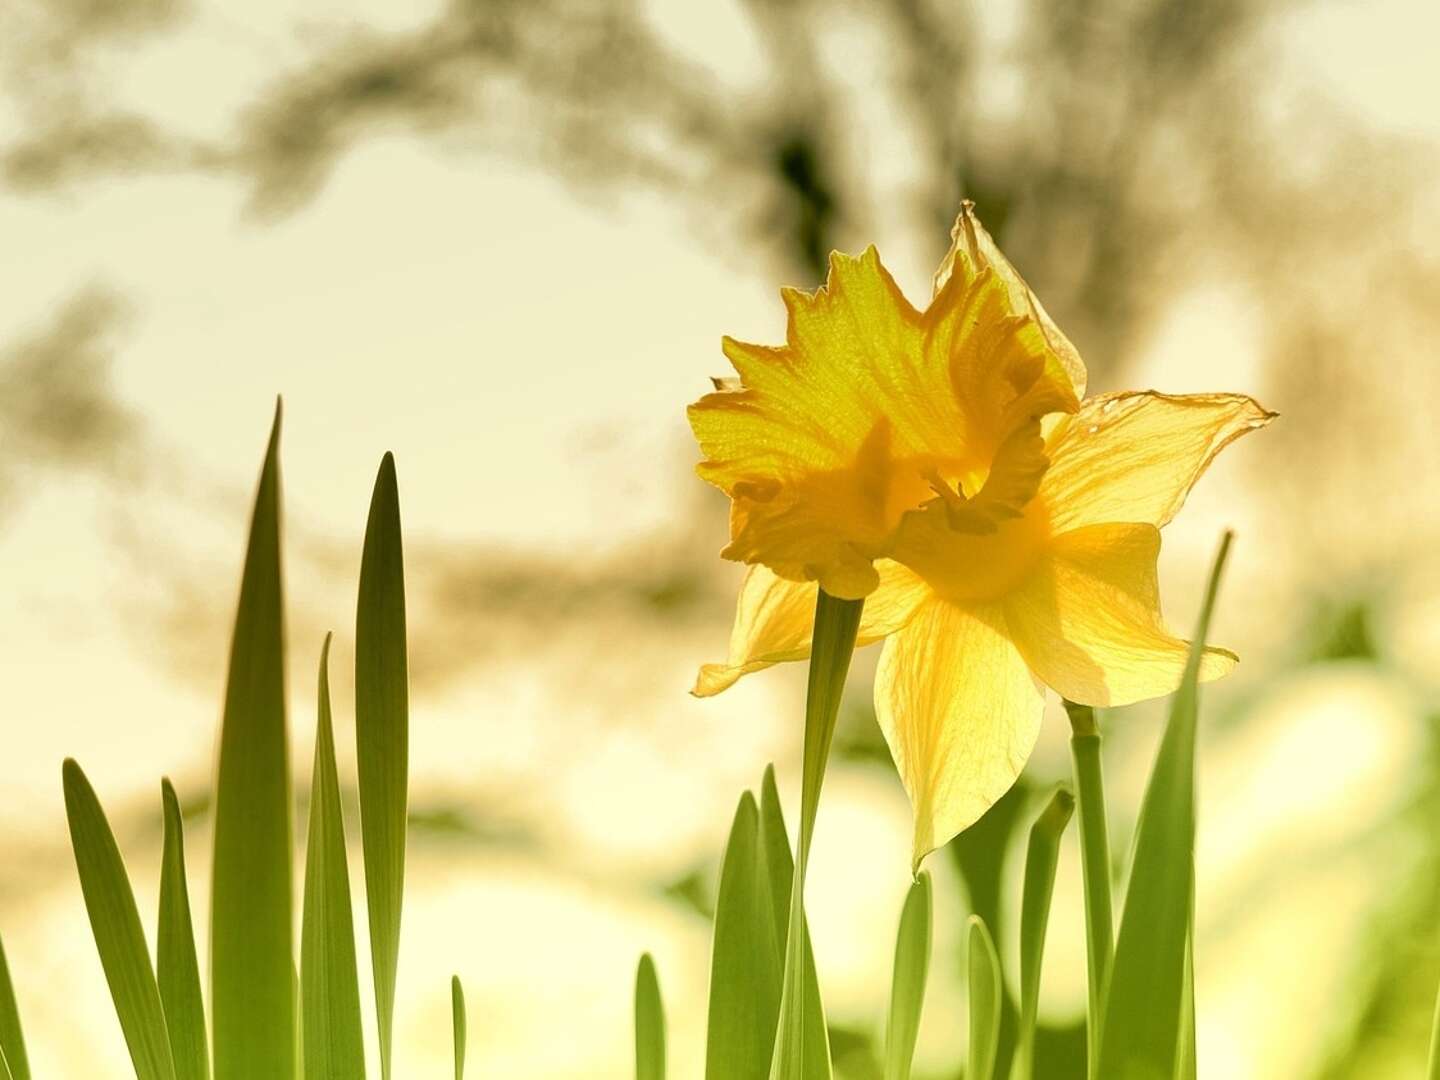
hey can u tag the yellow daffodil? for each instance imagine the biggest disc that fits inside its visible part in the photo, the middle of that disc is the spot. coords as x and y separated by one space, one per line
942 465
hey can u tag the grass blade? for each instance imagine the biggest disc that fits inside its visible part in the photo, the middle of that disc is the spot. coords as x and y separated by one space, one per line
457 1020
986 1001
1432 1071
1095 869
746 955
119 937
1141 1031
329 986
907 988
1185 1069
177 970
831 649
5 1073
251 947
649 1023
12 1038
1040 863
382 738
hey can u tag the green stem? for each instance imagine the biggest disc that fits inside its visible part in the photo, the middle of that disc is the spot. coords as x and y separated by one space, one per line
1432 1072
833 644
1095 862
1040 862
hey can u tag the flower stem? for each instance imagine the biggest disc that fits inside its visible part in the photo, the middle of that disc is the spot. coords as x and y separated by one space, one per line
1095 862
833 644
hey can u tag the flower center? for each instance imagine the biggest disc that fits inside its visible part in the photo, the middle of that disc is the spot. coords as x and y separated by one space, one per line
964 565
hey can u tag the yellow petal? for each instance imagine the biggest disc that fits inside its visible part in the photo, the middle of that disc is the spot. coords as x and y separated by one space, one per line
775 618
972 250
1087 619
826 442
960 711
1135 456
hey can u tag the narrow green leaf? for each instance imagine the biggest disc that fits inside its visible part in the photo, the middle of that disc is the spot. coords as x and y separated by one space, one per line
329 987
832 646
1040 863
1185 1069
5 1073
780 868
1095 869
907 988
649 1023
382 738
119 937
1432 1071
177 970
985 1002
1141 1031
12 1038
457 1020
746 956
251 899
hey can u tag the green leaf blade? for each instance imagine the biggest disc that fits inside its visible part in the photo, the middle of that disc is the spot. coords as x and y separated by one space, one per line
1142 1030
12 1036
746 956
177 967
986 1002
457 1024
329 986
649 1023
1041 860
119 937
912 966
382 738
251 935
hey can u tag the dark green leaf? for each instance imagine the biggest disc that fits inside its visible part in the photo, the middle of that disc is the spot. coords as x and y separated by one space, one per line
251 905
457 1021
119 937
1040 863
12 1039
382 738
176 968
1141 1034
649 1023
329 986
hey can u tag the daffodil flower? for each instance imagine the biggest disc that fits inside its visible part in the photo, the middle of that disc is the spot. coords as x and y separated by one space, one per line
943 465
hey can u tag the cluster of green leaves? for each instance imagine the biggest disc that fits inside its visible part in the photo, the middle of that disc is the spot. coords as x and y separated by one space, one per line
1141 1003
271 1014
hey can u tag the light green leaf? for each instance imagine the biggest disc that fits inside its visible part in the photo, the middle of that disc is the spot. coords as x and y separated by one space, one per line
329 987
119 937
831 648
1040 863
1186 1068
251 905
746 957
986 1002
649 1023
457 1020
382 738
177 970
1432 1071
1095 869
1141 1033
5 1073
907 989
12 1039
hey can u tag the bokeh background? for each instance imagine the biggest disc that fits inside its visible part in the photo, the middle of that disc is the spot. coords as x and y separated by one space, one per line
502 238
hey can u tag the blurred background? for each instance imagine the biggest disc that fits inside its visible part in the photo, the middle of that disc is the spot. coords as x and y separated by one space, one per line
502 238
